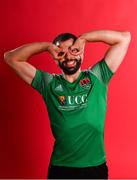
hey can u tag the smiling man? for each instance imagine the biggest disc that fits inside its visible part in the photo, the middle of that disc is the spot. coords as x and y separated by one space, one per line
76 100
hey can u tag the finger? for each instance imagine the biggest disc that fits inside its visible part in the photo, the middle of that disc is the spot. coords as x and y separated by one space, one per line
58 50
61 53
74 48
76 52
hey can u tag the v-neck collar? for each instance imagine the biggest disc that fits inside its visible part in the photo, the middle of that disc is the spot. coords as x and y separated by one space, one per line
74 82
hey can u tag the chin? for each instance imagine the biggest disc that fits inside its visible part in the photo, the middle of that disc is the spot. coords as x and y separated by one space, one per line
70 71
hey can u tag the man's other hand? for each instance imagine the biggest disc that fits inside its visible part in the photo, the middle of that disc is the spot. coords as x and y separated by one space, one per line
56 52
78 47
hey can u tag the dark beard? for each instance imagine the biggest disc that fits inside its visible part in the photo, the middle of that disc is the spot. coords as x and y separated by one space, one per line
70 70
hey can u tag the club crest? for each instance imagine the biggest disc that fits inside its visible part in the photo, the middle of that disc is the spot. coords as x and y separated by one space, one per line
62 100
85 83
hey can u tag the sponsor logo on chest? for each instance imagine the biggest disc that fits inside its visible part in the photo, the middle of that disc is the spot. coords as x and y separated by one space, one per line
72 100
69 101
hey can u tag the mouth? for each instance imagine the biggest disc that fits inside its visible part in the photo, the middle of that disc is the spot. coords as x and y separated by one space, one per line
70 63
70 66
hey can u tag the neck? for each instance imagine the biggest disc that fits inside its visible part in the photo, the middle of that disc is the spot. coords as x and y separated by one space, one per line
73 77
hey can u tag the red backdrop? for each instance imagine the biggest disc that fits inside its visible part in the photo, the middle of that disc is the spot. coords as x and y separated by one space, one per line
25 136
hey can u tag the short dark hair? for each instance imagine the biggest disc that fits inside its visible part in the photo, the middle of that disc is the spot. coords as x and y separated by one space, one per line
64 37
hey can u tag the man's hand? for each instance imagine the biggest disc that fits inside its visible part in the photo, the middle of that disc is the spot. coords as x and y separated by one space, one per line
78 47
119 42
56 52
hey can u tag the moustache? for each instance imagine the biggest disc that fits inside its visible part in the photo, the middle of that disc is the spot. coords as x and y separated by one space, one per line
66 61
70 66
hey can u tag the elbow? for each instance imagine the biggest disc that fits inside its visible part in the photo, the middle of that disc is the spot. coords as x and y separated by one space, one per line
7 56
126 36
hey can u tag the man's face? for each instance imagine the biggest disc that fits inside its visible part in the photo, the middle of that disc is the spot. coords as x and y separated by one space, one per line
69 63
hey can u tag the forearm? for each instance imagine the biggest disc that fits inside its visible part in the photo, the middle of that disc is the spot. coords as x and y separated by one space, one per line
107 36
25 51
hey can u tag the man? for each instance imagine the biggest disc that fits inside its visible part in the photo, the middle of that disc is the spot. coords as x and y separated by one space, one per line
75 99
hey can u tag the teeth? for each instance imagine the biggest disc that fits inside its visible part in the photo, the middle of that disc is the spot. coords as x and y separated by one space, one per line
70 62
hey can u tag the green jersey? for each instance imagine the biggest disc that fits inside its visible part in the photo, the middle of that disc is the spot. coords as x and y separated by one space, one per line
77 114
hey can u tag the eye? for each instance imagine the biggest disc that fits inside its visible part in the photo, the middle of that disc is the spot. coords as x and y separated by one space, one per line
61 53
75 50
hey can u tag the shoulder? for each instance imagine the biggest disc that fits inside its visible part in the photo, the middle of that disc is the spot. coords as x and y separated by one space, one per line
42 77
88 73
102 71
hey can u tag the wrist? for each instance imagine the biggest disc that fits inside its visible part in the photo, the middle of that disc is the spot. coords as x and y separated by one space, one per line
48 46
83 38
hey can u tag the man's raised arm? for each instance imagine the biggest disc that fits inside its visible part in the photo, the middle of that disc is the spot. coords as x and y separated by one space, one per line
119 42
17 58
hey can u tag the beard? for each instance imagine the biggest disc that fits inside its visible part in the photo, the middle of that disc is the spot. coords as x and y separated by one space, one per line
70 66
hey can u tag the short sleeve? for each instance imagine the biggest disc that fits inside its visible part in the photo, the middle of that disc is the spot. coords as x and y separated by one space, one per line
102 71
41 80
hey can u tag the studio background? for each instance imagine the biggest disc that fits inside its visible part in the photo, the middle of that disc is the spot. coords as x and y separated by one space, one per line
25 137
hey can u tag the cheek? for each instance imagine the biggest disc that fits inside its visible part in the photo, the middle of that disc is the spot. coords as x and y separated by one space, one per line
57 62
82 56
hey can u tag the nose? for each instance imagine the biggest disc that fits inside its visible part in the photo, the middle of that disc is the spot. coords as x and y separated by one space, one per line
68 55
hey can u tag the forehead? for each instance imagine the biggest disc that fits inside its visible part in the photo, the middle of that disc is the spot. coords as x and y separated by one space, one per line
66 43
